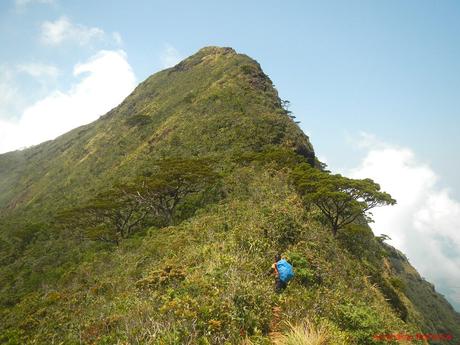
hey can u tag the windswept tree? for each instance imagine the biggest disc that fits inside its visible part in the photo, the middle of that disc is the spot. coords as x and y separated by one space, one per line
340 199
174 180
121 211
109 217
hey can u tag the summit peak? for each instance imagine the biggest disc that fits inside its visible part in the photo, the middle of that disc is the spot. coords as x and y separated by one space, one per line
213 50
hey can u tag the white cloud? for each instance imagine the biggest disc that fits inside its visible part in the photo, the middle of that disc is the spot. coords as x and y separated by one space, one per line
425 223
61 30
38 70
13 95
170 56
20 3
10 97
117 38
104 81
7 91
365 141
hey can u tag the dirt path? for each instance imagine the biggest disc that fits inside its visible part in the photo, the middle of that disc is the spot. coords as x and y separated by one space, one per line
275 323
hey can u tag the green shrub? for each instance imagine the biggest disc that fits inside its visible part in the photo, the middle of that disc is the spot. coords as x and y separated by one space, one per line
138 120
361 321
398 283
282 228
360 242
303 271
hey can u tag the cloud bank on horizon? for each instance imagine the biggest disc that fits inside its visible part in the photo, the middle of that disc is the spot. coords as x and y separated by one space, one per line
425 222
97 85
101 83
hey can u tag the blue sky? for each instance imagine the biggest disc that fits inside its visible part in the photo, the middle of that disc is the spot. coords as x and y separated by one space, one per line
376 85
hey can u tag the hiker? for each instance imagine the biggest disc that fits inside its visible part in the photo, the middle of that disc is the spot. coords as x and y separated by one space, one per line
283 272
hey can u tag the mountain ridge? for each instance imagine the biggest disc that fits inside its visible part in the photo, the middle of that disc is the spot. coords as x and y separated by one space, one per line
140 105
201 277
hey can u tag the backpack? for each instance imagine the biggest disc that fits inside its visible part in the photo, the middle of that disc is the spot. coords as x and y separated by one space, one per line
285 270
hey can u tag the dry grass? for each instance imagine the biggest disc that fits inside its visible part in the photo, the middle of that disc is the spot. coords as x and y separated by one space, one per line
305 333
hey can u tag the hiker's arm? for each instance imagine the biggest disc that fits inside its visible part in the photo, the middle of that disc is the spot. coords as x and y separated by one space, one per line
273 270
270 271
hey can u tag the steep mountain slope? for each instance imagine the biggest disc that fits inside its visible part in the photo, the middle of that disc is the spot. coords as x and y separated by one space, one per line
438 315
200 278
216 95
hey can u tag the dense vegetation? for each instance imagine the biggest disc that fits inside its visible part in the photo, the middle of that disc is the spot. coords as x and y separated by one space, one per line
157 224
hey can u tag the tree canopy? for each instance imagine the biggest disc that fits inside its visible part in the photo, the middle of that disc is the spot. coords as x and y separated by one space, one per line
174 179
108 217
340 199
119 212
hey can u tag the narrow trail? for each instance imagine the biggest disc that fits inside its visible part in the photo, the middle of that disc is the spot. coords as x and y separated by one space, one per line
275 323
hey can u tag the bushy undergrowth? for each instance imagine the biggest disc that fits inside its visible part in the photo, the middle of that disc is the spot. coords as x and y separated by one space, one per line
204 280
